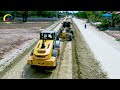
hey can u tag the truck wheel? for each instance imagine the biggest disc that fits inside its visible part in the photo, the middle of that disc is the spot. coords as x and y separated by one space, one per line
57 37
70 38
73 37
72 33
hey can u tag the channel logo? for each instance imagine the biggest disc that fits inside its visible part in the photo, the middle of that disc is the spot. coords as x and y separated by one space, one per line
7 18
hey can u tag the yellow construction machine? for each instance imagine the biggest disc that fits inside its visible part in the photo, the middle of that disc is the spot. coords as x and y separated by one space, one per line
46 51
66 31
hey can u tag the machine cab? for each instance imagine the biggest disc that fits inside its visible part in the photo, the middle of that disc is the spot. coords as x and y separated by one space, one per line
66 24
47 35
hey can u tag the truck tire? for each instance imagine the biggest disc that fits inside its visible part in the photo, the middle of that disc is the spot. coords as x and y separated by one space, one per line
57 37
70 38
71 31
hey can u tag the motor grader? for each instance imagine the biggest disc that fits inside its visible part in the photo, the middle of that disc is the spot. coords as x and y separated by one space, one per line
66 32
46 51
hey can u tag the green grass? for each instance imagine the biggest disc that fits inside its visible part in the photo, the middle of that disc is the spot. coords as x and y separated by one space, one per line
117 39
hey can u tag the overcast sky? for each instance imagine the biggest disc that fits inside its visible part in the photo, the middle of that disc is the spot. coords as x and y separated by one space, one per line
70 11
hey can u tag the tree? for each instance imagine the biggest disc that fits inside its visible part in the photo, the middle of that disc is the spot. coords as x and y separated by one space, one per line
81 14
24 15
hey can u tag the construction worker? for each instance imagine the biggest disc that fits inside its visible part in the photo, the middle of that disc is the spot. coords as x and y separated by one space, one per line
85 26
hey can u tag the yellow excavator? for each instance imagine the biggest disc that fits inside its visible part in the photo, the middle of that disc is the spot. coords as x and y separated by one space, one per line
46 51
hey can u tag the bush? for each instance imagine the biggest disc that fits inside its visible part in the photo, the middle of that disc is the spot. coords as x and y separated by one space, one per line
117 39
105 24
87 21
1 19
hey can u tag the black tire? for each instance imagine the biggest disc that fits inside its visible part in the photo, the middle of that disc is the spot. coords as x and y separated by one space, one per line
70 38
72 32
57 37
55 54
73 37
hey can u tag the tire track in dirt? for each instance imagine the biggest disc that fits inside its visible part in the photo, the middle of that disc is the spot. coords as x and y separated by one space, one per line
64 68
75 66
65 71
56 71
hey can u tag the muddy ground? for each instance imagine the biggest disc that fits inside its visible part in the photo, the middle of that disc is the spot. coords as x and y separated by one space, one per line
14 35
115 34
85 66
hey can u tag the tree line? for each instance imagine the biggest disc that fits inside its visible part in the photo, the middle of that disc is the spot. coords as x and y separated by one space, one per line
96 16
31 14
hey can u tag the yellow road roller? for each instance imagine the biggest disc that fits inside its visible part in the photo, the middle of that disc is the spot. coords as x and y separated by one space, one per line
46 51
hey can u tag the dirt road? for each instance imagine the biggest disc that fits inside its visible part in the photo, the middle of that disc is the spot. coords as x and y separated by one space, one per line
105 49
85 66
64 68
76 61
